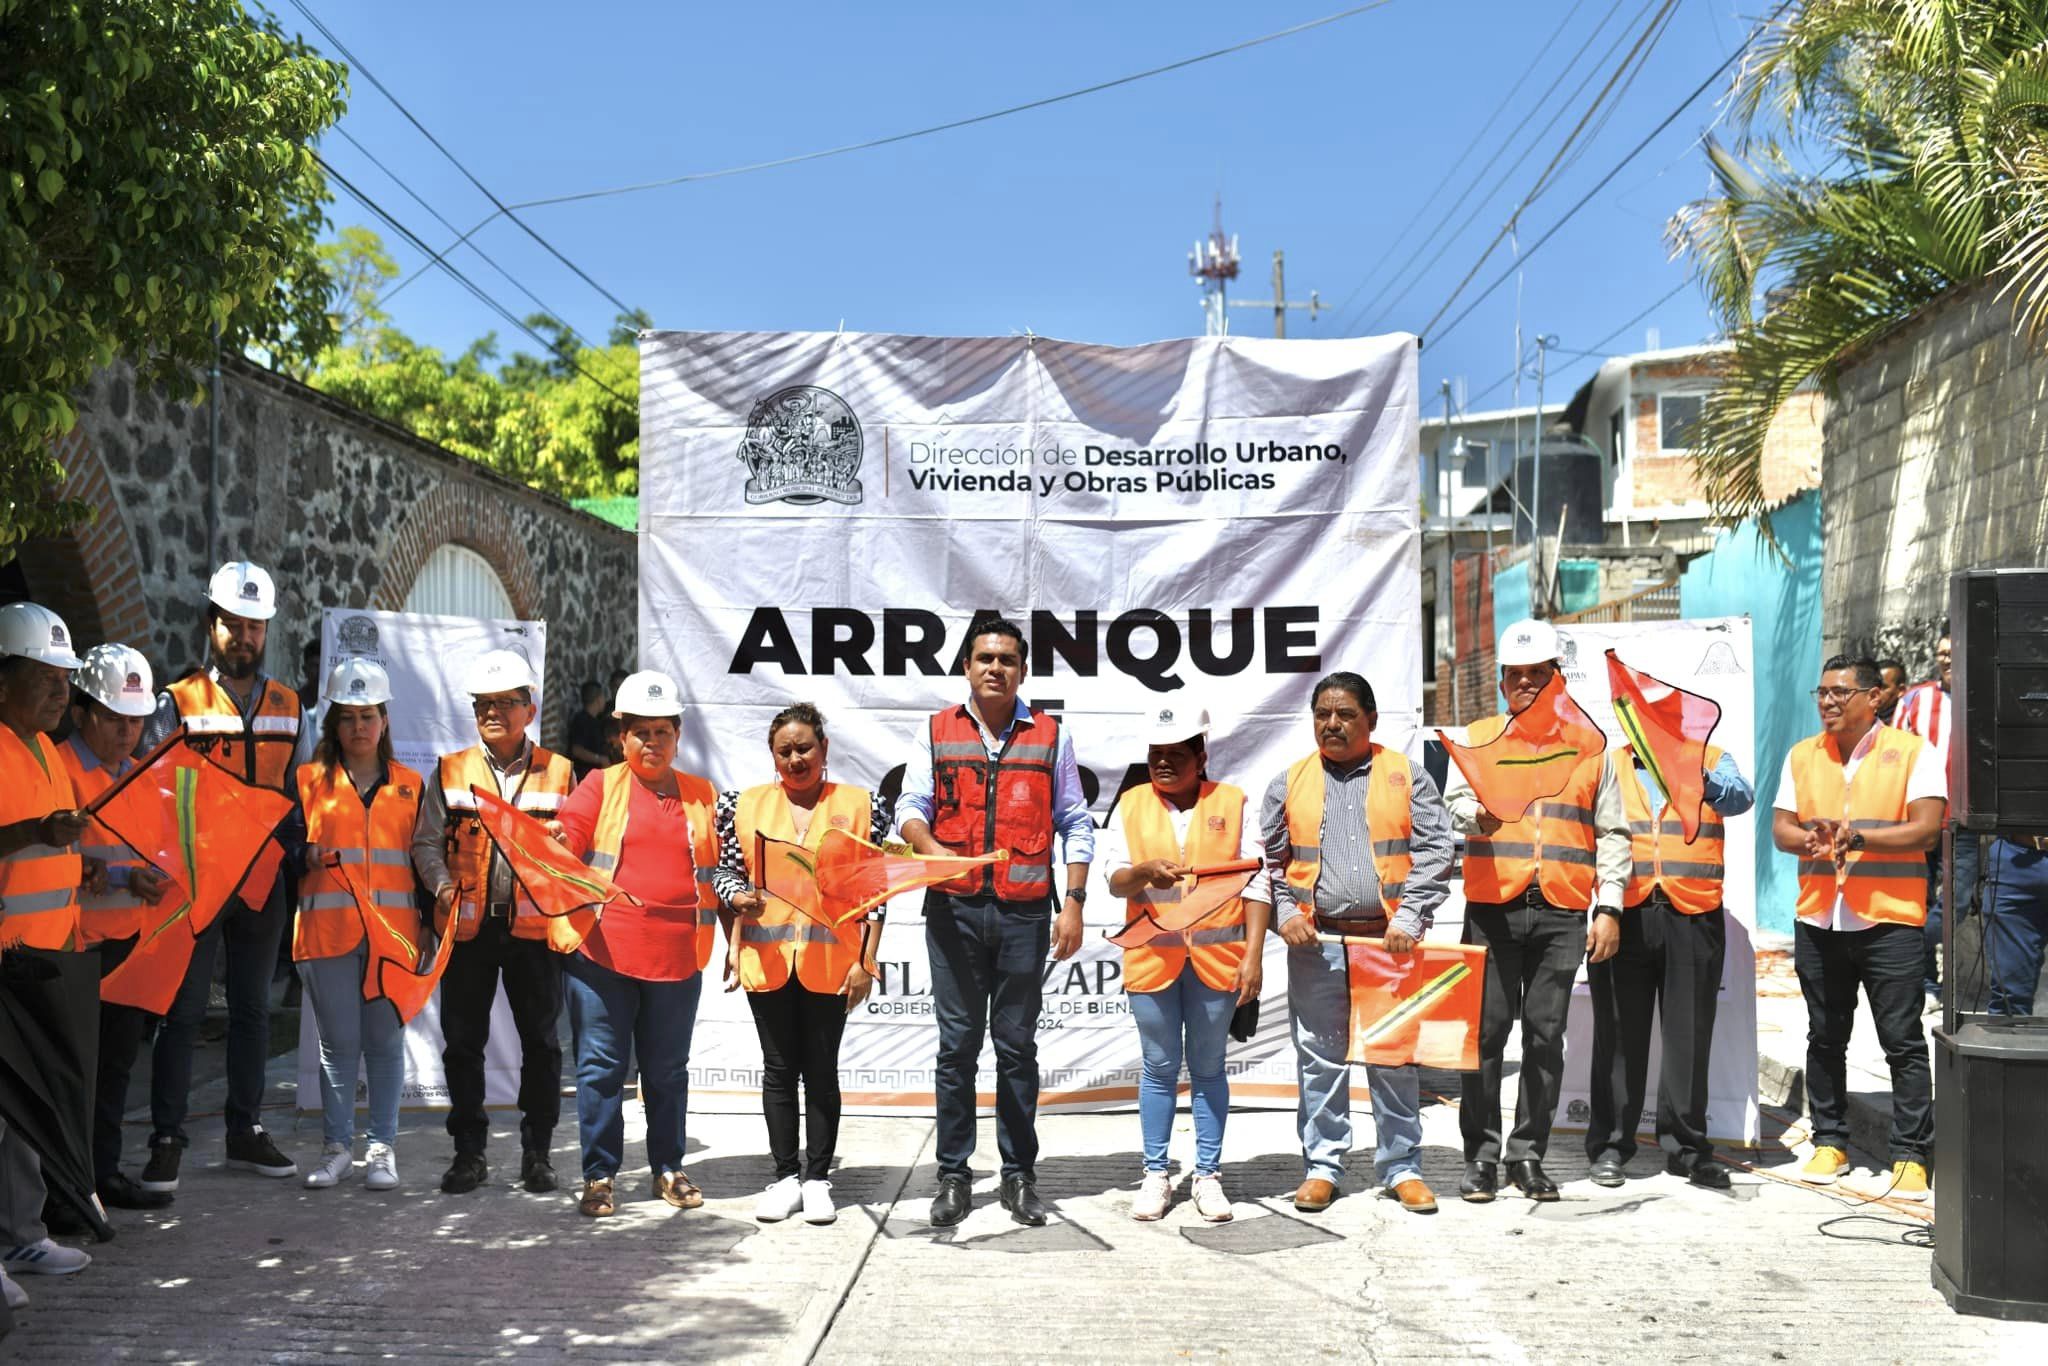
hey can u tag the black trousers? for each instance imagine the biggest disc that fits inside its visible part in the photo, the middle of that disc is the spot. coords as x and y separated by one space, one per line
532 973
800 1031
987 963
1885 961
122 1030
1668 965
1532 957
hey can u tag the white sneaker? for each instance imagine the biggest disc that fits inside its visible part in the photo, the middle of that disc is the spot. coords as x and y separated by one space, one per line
1155 1193
380 1168
335 1166
780 1200
1210 1201
17 1298
46 1258
818 1203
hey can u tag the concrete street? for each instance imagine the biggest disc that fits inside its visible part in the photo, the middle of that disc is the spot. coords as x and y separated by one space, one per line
246 1269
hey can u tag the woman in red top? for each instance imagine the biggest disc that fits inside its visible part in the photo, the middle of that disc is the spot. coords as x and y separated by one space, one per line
635 981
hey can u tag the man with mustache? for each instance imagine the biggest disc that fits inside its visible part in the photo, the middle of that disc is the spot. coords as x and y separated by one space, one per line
251 725
1542 892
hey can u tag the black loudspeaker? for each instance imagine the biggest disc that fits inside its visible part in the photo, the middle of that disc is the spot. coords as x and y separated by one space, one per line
1998 752
1991 1169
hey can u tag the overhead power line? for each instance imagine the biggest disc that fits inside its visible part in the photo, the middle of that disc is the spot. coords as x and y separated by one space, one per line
947 127
498 204
1427 335
1594 349
483 297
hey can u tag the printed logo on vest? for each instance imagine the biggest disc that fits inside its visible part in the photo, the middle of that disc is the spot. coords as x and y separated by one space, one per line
842 822
1891 758
1397 780
1215 824
356 636
803 445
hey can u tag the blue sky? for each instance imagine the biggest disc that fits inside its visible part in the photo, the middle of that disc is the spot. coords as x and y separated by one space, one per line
1073 221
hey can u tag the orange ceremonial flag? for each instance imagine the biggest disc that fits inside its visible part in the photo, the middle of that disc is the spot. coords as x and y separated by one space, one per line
851 875
559 883
1533 757
1202 893
1668 728
203 828
1420 1007
401 968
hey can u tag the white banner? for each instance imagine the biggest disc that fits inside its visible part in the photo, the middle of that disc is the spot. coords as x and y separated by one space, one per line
823 516
1710 656
431 715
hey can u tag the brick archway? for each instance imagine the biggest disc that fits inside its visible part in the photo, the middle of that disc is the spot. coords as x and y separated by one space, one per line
466 514
90 575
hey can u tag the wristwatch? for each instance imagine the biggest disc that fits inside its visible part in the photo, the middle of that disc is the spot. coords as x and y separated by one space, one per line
1079 894
1856 841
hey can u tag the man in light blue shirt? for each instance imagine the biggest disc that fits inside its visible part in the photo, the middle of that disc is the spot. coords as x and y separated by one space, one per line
995 776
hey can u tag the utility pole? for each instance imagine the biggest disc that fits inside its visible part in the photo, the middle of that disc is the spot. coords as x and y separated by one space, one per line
1446 590
1278 303
1544 341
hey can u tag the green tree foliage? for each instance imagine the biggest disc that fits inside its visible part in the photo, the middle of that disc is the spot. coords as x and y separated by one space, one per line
155 182
546 421
1925 125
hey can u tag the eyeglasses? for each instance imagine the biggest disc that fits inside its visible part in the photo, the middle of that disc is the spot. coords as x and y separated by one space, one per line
485 705
1837 694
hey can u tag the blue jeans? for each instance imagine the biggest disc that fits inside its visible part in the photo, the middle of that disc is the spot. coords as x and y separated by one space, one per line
353 1029
987 959
252 938
609 1011
1319 1018
1185 1008
2015 924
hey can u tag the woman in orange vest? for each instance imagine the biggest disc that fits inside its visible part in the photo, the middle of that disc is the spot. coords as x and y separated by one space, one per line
802 977
633 985
1184 987
356 905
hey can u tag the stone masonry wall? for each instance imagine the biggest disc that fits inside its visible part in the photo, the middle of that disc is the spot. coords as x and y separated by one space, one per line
342 508
1936 459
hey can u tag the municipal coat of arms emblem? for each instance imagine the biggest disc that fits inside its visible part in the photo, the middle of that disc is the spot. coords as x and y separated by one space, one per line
803 445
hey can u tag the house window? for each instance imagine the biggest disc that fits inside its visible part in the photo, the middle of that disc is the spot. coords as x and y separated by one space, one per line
457 582
1614 430
1677 415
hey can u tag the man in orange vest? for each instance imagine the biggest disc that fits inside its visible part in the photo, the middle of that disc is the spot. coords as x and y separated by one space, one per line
115 692
500 935
39 881
251 725
1542 893
1860 805
1673 935
1357 843
995 774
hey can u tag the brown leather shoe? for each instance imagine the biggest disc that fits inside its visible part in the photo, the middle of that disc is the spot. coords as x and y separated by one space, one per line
597 1201
679 1190
1315 1195
1415 1197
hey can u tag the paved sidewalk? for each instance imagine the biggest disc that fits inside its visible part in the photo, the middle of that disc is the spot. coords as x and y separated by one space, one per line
246 1269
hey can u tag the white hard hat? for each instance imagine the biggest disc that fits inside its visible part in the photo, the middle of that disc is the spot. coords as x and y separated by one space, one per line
1175 720
35 632
357 682
244 590
1528 642
497 671
648 693
117 677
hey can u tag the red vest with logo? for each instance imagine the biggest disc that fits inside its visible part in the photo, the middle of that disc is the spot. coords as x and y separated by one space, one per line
981 804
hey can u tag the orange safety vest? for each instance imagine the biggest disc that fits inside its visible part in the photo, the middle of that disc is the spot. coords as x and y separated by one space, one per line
1215 835
1689 875
981 804
700 802
1389 821
783 936
540 792
1890 887
1552 845
116 913
258 751
38 883
376 844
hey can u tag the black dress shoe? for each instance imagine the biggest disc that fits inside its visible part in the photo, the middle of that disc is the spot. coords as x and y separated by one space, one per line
1020 1198
62 1220
1700 1171
537 1174
951 1204
1528 1175
1607 1171
1481 1183
120 1192
465 1174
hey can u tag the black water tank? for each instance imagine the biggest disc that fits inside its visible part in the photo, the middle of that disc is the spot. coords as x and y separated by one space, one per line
1572 482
